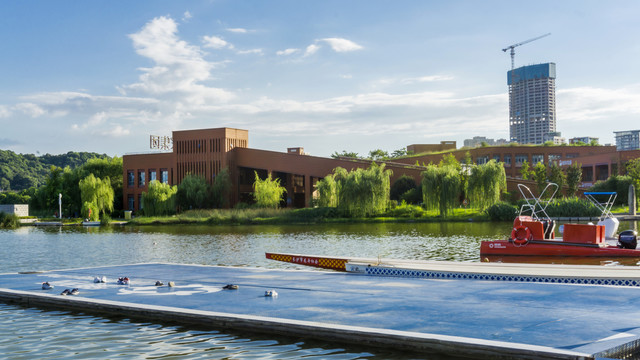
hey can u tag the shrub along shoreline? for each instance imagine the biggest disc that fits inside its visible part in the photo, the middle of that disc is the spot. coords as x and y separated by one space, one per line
502 211
301 216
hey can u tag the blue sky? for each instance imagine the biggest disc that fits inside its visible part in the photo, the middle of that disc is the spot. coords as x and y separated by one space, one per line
324 75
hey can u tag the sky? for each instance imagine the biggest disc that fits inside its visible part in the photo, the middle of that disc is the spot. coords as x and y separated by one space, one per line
359 75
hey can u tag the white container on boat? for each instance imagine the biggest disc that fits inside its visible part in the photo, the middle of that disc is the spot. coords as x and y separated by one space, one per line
610 227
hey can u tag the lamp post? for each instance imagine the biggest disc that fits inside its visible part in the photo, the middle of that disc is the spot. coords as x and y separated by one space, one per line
60 205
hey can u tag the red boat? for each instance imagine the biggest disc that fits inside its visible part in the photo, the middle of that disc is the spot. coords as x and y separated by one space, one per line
534 234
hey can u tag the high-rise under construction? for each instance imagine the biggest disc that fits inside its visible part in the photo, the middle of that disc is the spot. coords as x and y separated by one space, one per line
532 104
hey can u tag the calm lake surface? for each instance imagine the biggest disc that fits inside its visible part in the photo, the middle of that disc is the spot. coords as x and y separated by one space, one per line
29 333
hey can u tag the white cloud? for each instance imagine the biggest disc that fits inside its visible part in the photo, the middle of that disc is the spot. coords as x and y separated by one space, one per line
116 132
342 45
587 111
214 42
4 112
287 52
311 49
430 78
186 16
30 109
179 67
251 51
238 30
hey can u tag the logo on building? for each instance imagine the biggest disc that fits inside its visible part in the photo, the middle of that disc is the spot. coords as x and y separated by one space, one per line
160 142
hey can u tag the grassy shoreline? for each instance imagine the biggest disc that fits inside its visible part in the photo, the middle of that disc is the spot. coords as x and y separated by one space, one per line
294 216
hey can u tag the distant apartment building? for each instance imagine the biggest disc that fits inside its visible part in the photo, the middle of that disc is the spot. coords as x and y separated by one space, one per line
585 140
478 140
532 104
627 140
554 137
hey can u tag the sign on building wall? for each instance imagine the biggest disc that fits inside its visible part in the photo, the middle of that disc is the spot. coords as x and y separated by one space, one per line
160 142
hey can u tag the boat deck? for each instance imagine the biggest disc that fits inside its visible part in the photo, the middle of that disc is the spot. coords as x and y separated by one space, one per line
472 318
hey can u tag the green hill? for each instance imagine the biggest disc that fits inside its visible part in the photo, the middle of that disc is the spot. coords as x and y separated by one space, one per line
22 171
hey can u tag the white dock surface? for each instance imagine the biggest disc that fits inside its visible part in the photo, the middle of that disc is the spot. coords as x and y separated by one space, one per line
458 317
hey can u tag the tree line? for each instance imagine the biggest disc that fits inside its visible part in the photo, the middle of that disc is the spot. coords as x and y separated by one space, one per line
23 171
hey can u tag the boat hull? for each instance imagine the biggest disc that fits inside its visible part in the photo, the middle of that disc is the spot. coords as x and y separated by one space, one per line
553 248
324 262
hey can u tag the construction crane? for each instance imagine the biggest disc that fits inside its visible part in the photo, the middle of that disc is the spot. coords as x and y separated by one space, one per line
513 53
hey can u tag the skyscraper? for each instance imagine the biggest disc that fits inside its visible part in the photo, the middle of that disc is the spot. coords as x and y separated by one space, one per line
532 104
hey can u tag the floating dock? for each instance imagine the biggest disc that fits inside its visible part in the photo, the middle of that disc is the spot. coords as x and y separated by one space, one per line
457 317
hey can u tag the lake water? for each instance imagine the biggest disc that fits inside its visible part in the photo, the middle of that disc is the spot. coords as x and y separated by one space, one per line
29 333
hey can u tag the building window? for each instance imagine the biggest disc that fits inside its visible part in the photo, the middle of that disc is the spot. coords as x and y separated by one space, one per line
571 156
507 160
536 158
152 175
130 202
496 158
553 159
140 203
520 159
164 176
481 160
131 178
141 176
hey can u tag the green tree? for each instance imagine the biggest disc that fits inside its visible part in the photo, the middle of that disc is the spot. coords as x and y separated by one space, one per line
363 192
47 196
633 169
403 184
105 167
618 183
556 175
464 171
345 153
467 160
540 176
96 194
328 191
441 188
398 153
267 193
574 178
524 170
10 197
486 183
193 193
358 193
160 199
378 155
221 189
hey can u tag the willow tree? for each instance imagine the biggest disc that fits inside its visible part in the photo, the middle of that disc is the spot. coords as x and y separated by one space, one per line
441 188
193 192
486 183
267 193
221 188
328 191
358 193
96 195
160 199
364 192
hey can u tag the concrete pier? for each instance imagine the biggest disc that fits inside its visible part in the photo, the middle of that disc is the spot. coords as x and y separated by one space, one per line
472 318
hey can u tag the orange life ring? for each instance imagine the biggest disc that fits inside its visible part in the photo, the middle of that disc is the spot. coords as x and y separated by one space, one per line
521 235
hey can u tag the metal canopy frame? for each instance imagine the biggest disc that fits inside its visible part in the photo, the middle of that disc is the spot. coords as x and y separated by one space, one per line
537 205
604 201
